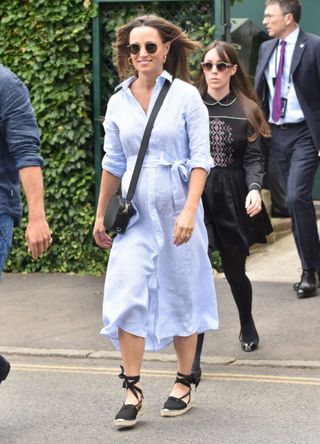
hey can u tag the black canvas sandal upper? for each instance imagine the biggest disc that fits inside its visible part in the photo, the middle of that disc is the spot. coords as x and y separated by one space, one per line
178 404
127 415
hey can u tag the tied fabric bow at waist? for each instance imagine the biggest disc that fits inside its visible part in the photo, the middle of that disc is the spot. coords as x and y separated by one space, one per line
179 171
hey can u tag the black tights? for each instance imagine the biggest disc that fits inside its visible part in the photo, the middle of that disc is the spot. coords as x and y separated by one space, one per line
233 262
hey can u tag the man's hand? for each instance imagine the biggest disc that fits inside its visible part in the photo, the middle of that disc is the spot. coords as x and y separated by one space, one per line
37 234
38 237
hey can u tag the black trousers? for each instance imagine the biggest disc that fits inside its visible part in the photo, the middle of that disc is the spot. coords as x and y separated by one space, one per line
298 160
274 178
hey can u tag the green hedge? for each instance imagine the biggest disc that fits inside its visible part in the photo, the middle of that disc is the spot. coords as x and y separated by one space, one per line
48 45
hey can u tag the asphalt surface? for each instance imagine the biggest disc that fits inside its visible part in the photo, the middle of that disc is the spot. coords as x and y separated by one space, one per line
60 314
63 386
49 400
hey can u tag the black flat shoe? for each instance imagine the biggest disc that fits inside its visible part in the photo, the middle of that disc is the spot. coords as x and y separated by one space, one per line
249 338
128 414
4 368
176 406
308 285
295 286
280 214
311 280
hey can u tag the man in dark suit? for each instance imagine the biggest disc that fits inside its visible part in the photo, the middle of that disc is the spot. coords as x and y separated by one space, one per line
288 84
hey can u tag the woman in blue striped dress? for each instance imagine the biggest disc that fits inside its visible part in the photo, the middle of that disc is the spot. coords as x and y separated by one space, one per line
159 285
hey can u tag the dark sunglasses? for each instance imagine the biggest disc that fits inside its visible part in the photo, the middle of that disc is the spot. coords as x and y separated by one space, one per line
150 47
221 66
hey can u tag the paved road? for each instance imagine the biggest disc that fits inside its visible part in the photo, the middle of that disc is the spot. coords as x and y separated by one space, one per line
73 401
64 312
63 386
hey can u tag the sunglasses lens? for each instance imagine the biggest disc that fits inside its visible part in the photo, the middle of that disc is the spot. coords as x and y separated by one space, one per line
207 66
134 48
221 67
151 48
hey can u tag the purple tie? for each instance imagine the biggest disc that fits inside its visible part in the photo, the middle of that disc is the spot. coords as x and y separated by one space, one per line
276 104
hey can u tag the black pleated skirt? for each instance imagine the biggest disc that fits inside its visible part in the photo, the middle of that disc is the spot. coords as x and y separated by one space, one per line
225 215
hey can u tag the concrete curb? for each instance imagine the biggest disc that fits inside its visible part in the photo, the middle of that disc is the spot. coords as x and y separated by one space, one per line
157 357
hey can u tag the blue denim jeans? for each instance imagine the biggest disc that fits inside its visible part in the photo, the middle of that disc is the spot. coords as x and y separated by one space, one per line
6 230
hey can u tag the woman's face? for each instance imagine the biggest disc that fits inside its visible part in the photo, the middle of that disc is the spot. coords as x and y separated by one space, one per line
217 72
147 51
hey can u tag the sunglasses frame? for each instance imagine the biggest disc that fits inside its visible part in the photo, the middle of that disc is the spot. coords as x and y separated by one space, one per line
145 47
225 64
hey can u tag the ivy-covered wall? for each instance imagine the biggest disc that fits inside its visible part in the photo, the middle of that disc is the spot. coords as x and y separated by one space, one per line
48 45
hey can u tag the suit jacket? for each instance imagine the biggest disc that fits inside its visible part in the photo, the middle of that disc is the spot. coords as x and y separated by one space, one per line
305 70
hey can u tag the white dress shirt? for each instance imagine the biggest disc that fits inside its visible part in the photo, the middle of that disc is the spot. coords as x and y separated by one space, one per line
294 112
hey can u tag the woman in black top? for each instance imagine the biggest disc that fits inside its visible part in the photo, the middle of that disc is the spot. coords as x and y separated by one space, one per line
234 213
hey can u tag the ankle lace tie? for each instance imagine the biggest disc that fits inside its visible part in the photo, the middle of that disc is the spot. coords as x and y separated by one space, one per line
129 383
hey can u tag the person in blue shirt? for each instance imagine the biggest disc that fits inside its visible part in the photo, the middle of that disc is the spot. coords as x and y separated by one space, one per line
159 285
19 161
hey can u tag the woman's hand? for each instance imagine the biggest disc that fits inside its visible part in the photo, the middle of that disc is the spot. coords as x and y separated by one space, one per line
100 235
108 187
183 227
253 202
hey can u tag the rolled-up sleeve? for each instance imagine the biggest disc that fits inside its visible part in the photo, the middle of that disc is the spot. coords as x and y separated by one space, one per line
19 124
197 122
114 159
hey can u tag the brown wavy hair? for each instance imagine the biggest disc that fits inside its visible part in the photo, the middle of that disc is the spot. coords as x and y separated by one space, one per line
177 57
241 86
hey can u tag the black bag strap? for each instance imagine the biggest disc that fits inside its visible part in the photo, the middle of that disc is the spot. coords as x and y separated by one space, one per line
145 139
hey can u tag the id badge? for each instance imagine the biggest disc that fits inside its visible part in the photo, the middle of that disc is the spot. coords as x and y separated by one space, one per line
284 103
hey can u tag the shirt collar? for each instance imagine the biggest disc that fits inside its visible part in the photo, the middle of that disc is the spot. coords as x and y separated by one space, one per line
227 100
292 38
126 83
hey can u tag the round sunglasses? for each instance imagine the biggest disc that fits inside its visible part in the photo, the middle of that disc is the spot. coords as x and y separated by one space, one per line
220 66
150 47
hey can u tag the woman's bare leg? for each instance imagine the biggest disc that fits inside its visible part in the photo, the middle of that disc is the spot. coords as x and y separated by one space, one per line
132 349
185 347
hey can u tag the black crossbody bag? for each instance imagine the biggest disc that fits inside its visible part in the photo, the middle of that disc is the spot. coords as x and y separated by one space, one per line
120 209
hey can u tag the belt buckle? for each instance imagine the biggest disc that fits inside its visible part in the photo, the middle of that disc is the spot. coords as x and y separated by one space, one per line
284 126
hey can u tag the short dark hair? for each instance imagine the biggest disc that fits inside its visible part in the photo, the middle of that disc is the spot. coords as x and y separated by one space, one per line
288 6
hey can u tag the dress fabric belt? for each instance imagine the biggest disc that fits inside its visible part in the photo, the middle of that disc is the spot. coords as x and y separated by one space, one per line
179 170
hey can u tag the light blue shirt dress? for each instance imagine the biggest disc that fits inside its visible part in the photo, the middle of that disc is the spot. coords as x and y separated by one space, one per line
154 289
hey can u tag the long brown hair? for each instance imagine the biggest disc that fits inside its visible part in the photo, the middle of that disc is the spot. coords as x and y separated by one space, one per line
241 86
180 47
